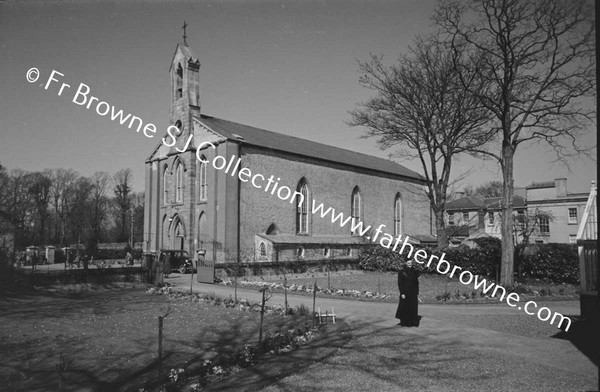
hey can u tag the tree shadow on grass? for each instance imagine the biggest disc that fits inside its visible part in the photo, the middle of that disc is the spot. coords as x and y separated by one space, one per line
342 349
583 334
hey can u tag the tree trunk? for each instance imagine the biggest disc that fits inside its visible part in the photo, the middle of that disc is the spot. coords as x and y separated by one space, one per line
508 249
440 228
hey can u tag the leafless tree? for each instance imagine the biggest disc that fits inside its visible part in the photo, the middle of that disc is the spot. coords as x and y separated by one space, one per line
40 193
538 59
489 189
421 108
122 188
61 195
99 202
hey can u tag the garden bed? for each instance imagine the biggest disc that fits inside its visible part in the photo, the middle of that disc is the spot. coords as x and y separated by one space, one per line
107 340
383 286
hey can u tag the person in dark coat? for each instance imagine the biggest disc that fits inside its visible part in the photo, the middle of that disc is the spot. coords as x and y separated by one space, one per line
167 264
408 285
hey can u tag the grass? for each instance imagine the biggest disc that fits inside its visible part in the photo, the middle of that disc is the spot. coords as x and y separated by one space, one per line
108 340
431 286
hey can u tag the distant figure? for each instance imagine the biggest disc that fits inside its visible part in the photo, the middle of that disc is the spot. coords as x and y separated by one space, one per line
408 285
128 259
167 264
77 260
85 262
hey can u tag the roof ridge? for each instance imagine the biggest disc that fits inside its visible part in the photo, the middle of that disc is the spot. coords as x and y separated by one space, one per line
410 173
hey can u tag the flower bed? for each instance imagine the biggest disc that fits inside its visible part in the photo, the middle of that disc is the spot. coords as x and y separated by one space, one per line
225 365
309 289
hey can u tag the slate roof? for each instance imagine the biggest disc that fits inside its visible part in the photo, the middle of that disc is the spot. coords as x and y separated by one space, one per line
475 203
494 202
537 185
465 203
457 231
291 144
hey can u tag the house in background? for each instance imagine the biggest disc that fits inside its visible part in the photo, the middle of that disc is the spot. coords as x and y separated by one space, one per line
470 217
564 207
558 212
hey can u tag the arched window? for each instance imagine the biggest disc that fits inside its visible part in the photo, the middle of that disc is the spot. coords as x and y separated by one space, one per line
326 252
356 207
263 250
203 191
179 126
166 185
300 253
302 203
397 215
179 183
179 82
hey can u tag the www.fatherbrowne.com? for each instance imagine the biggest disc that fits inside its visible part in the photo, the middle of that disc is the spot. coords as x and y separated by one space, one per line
442 266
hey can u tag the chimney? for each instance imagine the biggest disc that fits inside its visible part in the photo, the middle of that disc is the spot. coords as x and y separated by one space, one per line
459 195
560 185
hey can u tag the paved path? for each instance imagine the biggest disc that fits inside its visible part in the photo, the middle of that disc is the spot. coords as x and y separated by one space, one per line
456 348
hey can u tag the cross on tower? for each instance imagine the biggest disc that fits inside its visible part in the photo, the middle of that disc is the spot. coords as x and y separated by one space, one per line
184 33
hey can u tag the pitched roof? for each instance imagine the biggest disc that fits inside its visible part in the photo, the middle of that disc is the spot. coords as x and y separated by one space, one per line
495 202
475 203
465 203
291 144
537 185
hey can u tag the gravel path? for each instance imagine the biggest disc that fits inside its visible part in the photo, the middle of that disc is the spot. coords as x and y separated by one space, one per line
456 348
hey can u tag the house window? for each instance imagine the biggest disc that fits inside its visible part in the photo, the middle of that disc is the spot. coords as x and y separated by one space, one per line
572 215
179 183
544 226
451 219
356 207
397 216
302 203
166 186
203 187
572 238
263 250
491 217
465 217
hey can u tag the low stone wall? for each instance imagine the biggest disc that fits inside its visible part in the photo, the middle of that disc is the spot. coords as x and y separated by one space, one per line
226 270
74 276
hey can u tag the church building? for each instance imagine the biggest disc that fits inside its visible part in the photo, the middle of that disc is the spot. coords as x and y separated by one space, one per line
246 194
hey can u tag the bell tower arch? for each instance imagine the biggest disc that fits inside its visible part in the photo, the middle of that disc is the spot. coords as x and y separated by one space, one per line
185 88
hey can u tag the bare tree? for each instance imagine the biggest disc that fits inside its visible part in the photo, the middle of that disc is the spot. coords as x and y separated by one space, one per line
80 211
61 195
489 189
421 108
40 192
99 201
122 189
538 59
528 224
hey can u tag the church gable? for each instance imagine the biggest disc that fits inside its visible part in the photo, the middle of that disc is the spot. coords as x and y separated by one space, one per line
202 133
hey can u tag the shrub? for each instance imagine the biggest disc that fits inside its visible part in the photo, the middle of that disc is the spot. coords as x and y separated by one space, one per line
553 262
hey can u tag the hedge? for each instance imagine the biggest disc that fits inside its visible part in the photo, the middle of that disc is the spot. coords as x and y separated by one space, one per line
554 262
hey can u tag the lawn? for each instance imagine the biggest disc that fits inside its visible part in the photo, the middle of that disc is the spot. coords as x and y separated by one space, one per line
110 338
431 286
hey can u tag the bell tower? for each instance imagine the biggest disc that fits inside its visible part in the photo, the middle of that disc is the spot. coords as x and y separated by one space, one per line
185 89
